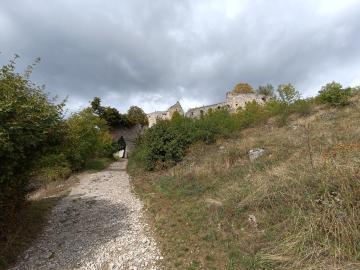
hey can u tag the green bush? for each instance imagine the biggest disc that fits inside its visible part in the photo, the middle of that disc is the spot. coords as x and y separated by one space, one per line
51 167
334 94
29 124
303 107
87 137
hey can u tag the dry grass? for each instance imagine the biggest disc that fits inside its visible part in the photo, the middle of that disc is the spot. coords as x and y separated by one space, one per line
304 194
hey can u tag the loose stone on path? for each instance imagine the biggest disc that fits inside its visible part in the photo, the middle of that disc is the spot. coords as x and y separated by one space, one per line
99 225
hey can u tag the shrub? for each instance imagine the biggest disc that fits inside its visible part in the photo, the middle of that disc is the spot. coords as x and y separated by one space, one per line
86 138
253 113
303 107
51 167
334 94
267 90
29 124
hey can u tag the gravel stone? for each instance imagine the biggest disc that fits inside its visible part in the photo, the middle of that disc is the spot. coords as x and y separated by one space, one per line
99 225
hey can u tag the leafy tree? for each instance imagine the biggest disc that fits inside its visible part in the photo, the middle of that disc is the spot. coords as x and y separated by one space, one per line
243 88
137 116
288 93
29 124
111 115
334 94
96 106
266 90
86 138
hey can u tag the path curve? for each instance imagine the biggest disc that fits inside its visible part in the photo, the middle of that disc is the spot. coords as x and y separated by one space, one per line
99 225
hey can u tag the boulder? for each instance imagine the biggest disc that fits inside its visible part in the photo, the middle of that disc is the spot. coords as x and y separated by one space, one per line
256 153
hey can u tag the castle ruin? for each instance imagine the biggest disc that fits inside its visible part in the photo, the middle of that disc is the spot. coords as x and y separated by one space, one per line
233 102
165 115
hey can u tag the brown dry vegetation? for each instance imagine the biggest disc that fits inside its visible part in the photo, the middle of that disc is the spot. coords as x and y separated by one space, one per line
296 207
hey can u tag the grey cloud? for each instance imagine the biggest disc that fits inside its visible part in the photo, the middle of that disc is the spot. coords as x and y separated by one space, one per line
156 52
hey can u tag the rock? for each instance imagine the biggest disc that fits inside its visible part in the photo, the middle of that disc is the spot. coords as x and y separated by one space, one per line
214 202
253 221
256 153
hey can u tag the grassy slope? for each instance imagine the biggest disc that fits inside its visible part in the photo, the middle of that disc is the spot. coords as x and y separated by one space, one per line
304 194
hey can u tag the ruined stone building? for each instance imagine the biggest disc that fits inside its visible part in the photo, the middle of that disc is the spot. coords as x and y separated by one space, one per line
233 102
164 115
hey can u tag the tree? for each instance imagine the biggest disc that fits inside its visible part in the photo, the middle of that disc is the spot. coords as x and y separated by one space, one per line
266 90
137 116
96 106
288 93
111 115
334 94
243 88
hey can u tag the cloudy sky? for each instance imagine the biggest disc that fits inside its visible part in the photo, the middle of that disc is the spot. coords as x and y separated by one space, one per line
152 53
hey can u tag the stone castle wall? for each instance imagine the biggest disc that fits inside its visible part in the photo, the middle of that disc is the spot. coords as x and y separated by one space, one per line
164 115
199 111
233 102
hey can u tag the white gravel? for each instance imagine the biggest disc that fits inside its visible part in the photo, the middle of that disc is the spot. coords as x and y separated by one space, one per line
98 226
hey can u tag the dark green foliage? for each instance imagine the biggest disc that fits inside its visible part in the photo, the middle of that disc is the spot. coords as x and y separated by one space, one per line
334 94
29 124
136 116
112 116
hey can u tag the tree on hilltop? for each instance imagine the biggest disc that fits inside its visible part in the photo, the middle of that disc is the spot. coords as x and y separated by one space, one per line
137 116
243 88
266 90
288 93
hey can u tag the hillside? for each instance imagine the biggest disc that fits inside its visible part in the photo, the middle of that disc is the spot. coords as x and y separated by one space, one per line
295 207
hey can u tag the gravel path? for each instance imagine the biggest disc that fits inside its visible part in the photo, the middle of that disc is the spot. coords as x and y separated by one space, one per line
98 226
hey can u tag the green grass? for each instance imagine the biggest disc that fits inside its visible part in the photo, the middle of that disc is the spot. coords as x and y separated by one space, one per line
97 164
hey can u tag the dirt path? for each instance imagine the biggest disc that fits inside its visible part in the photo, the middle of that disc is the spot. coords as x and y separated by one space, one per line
98 226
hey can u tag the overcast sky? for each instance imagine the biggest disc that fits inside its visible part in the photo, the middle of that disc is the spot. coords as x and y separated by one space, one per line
152 53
